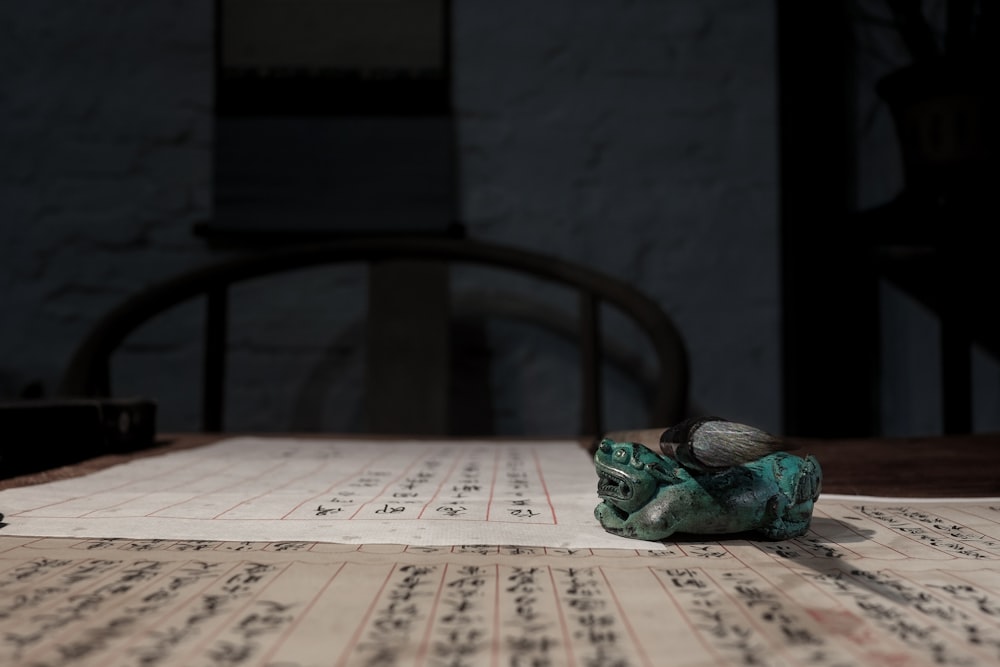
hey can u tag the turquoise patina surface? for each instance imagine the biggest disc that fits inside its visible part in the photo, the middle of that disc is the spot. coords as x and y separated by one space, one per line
650 496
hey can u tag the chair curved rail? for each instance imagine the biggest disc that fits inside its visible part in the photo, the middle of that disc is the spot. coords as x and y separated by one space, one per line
87 373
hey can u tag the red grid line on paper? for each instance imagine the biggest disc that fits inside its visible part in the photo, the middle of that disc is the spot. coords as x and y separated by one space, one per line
915 540
394 480
356 636
495 655
822 540
991 520
545 487
491 501
287 632
177 606
719 659
330 488
12 566
493 483
972 582
947 628
636 642
68 628
561 613
182 482
202 494
910 612
118 487
444 480
972 542
851 528
778 586
838 606
199 648
197 519
424 645
268 492
761 633
468 454
540 479
15 545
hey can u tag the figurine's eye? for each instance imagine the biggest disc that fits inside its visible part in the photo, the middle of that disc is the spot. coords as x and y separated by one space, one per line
621 455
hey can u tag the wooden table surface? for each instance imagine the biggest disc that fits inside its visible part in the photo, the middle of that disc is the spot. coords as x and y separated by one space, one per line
940 466
955 466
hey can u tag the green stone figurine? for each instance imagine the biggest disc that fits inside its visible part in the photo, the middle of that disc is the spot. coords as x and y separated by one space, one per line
714 477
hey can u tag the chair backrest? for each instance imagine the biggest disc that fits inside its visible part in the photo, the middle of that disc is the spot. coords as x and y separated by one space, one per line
88 373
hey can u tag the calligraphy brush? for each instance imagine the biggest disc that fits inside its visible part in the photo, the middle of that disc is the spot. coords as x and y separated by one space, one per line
712 443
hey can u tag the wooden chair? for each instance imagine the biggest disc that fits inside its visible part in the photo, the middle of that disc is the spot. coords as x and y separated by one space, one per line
387 389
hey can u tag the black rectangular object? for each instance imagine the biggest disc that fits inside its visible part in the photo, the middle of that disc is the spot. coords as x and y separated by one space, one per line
41 434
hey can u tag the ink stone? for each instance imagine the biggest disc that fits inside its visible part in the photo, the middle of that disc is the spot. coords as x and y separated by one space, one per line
712 477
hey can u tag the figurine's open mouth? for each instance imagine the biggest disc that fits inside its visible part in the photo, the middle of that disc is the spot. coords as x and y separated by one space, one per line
613 486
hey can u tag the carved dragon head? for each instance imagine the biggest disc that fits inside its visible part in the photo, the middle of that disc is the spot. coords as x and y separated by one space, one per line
629 475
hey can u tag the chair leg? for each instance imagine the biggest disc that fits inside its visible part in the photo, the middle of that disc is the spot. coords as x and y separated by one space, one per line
408 328
214 362
590 364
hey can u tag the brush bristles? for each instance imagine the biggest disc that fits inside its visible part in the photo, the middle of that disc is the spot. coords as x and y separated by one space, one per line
710 443
720 444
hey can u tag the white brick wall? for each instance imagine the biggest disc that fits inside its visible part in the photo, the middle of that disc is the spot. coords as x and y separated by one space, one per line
638 136
105 137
